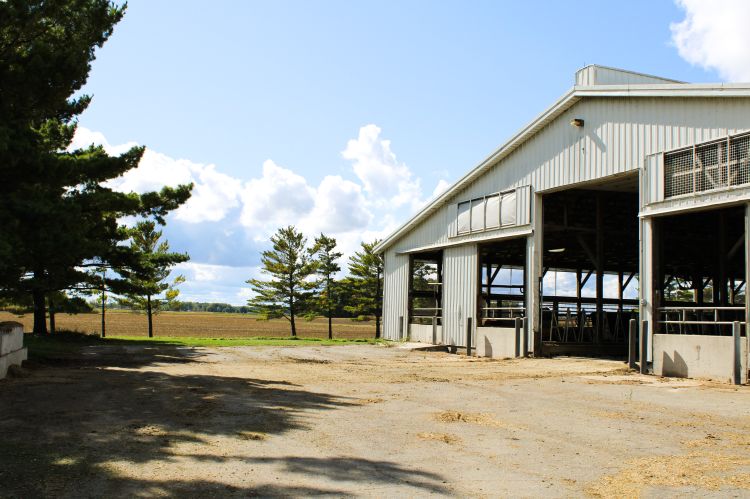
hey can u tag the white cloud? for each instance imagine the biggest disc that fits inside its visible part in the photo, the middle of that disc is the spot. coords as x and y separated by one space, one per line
84 137
440 188
339 207
280 197
374 202
715 36
385 180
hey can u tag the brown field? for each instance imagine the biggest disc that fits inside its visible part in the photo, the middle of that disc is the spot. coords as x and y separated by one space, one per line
201 325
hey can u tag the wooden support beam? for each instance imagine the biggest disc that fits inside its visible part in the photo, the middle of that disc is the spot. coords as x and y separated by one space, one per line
587 249
627 281
585 279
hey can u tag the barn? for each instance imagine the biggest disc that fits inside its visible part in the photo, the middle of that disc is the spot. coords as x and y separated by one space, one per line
624 206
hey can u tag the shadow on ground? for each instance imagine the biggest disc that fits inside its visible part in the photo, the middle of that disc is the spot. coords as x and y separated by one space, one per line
65 424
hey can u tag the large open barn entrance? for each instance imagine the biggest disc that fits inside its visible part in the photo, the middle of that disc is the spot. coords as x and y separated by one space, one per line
502 327
589 284
699 294
426 297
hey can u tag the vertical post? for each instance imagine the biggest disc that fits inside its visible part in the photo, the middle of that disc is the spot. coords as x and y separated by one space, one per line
599 331
400 327
737 354
525 340
434 330
468 336
518 336
644 347
533 273
632 344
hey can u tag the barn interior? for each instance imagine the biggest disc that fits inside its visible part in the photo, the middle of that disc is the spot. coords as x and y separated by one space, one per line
501 285
426 288
699 268
589 269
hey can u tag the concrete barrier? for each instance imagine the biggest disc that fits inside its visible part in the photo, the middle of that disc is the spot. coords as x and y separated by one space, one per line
422 333
697 356
12 351
496 342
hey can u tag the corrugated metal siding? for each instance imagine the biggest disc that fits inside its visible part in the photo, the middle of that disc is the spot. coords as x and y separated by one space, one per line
602 75
459 293
395 293
617 136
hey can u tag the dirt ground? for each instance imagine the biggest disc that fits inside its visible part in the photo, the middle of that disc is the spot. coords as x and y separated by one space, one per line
363 420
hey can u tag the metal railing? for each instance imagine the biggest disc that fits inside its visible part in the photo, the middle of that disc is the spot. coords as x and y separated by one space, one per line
700 319
574 324
424 315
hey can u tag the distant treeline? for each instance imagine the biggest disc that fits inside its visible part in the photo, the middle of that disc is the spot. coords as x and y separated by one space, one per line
187 306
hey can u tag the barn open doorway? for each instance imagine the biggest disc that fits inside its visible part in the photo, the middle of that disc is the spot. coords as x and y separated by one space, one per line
426 297
589 284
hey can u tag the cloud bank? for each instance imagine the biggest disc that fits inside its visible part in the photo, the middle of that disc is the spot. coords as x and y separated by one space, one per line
228 220
715 36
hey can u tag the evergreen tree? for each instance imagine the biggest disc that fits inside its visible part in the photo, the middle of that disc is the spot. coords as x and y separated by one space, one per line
147 278
288 265
56 216
365 281
326 268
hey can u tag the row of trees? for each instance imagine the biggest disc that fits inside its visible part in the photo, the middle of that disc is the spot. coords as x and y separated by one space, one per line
60 228
300 279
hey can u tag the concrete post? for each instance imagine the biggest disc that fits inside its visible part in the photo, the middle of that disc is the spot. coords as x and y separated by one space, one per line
644 347
525 340
518 336
737 354
468 336
434 330
632 341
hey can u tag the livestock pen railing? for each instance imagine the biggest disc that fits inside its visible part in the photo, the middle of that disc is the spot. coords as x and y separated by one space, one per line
705 320
425 315
566 321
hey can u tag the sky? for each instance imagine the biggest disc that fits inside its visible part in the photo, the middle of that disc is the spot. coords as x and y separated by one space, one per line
346 117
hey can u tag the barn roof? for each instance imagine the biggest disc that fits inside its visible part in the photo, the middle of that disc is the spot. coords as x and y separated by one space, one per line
600 81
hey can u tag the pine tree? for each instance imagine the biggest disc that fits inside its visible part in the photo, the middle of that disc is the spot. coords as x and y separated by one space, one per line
326 268
57 217
288 265
147 278
365 281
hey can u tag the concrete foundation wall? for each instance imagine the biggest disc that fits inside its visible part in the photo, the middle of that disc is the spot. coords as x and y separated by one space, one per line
12 351
697 356
423 333
496 342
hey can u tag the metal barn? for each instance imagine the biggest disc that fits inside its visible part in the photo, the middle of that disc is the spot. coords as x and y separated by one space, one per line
624 205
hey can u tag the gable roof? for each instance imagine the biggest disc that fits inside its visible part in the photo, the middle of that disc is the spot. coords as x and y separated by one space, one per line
564 103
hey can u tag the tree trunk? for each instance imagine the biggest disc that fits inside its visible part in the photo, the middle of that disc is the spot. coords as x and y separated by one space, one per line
330 325
291 318
40 311
330 313
150 321
104 322
51 315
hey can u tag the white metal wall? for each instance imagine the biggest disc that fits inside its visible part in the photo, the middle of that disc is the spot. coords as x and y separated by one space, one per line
460 274
617 135
395 293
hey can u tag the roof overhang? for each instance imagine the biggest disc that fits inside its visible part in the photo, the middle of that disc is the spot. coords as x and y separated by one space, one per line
677 90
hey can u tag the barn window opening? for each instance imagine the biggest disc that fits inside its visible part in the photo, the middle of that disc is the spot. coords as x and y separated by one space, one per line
713 165
488 212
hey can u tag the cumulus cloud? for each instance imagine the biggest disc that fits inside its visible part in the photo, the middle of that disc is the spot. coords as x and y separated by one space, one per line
339 207
714 35
227 222
279 197
385 180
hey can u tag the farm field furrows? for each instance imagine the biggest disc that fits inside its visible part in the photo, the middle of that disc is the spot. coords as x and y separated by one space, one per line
201 325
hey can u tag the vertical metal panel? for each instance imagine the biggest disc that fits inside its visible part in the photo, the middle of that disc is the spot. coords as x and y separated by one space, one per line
533 271
459 292
523 205
395 293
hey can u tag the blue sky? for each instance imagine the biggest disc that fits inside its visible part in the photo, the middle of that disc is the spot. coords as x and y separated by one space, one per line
345 117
